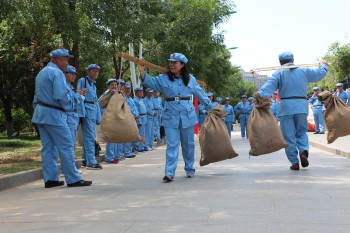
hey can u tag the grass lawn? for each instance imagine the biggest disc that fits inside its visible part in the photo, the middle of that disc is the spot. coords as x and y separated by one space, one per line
21 154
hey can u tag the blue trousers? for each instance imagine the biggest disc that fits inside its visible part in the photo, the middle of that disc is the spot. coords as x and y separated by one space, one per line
88 133
73 133
294 128
243 119
53 139
142 132
113 151
319 120
156 125
174 137
149 131
229 127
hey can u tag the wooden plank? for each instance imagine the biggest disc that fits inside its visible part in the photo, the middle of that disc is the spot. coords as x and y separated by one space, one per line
143 62
283 67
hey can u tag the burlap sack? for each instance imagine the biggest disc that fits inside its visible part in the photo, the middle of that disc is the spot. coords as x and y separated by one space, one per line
103 101
118 124
214 140
336 116
264 134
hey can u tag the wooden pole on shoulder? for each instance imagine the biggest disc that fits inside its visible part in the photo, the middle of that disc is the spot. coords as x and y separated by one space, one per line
283 67
143 62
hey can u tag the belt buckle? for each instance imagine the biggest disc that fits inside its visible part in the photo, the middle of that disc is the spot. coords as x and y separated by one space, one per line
177 98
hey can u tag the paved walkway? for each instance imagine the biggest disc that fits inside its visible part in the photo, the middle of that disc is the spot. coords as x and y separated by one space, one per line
259 194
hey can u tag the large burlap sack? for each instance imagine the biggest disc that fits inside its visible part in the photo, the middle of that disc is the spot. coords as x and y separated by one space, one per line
104 100
336 116
264 134
214 140
118 124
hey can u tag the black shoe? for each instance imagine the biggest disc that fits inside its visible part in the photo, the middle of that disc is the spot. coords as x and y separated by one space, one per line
321 133
94 167
83 163
303 159
167 179
53 183
316 132
80 183
130 157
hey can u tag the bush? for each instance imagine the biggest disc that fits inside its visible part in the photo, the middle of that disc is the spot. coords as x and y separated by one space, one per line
21 120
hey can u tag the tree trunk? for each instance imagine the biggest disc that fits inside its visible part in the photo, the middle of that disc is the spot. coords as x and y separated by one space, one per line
7 102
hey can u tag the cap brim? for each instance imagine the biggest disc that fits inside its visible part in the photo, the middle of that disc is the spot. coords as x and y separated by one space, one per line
172 60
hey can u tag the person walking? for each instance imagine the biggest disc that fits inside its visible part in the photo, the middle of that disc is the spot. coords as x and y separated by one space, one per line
179 115
244 109
51 103
230 117
292 88
318 110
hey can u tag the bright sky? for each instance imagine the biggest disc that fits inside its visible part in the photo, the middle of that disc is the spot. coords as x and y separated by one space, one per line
263 29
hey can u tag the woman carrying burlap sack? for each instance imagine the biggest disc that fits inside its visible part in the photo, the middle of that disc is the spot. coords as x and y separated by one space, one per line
179 115
292 85
337 116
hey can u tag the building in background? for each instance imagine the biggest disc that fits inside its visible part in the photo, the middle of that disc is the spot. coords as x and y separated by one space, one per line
257 79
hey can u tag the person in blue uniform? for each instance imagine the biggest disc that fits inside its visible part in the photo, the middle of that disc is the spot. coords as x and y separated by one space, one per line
212 102
179 115
151 115
90 116
52 101
274 105
142 121
111 153
318 110
292 88
230 117
244 109
342 94
72 114
130 102
251 104
218 100
157 107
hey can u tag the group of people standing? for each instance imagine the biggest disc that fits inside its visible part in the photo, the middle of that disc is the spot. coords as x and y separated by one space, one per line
59 109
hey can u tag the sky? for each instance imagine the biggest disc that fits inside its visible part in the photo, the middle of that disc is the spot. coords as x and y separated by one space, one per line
262 29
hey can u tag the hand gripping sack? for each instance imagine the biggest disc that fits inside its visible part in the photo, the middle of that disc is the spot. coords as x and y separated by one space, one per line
118 124
264 134
103 101
336 116
214 140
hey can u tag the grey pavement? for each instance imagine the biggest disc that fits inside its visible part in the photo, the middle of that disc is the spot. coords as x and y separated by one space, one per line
256 194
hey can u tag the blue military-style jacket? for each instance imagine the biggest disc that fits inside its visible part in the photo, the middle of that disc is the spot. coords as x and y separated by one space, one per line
73 114
141 108
316 105
344 96
177 112
149 106
90 107
243 109
230 117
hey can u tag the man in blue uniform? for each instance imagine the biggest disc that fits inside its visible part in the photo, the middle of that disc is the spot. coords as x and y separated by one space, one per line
157 107
179 115
142 121
342 94
274 105
51 103
318 111
244 109
90 117
292 86
218 100
128 146
151 115
230 118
